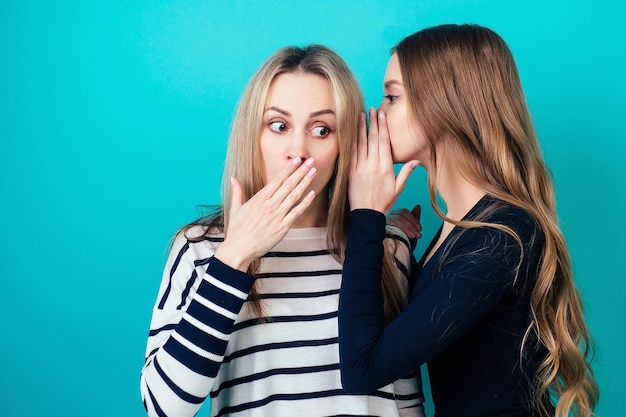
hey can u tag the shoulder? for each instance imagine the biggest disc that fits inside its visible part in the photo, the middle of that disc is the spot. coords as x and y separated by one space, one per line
199 232
398 245
504 231
397 242
393 233
517 219
197 240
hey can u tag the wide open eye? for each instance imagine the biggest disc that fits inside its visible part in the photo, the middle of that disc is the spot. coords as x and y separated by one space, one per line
278 126
321 131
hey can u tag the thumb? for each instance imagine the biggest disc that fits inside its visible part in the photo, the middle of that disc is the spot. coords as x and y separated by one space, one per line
236 195
404 174
417 211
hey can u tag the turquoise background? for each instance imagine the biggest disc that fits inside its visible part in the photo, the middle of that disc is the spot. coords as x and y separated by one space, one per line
113 123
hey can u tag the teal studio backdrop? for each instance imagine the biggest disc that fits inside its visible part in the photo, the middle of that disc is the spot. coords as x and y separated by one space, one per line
113 124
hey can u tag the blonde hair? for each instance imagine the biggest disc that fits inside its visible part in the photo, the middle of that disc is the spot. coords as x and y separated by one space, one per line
243 156
463 87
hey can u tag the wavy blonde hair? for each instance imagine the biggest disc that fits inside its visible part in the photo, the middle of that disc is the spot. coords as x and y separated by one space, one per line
463 87
243 157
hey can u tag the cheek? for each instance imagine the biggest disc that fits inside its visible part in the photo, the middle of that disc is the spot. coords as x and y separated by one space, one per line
396 123
399 137
325 161
269 160
397 129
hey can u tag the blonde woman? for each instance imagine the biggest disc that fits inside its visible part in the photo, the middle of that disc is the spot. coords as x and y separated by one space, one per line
247 308
495 313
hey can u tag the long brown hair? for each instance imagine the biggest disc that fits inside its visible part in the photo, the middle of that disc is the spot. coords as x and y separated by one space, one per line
463 87
243 155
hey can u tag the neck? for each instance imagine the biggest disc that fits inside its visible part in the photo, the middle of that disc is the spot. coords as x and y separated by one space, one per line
459 194
316 215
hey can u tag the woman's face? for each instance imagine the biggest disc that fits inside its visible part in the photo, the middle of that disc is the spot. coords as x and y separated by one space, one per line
407 139
299 120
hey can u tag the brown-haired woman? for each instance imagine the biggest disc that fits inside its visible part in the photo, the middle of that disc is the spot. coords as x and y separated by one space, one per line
495 312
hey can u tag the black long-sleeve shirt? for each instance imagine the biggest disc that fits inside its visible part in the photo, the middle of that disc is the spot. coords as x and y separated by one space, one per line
466 317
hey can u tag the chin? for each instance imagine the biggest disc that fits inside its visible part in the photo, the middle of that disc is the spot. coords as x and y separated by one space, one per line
400 158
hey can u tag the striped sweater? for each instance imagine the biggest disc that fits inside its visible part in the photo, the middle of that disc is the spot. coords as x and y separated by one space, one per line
204 340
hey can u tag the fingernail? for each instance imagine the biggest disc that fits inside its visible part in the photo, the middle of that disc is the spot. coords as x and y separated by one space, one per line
309 162
381 115
312 172
296 160
311 194
232 181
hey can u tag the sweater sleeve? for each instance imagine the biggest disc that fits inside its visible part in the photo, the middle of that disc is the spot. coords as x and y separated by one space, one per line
198 302
408 392
372 353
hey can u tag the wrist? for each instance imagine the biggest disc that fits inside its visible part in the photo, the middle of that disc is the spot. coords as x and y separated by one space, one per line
360 205
232 258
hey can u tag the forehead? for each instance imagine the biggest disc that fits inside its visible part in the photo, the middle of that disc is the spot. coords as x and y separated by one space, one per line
393 69
302 89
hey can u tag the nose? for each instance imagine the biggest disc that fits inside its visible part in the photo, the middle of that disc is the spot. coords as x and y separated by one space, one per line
297 146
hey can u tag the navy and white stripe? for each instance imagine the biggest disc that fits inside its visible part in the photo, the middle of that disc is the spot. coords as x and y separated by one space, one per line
205 341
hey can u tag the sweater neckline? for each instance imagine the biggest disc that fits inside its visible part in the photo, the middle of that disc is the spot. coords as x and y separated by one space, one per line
472 214
307 233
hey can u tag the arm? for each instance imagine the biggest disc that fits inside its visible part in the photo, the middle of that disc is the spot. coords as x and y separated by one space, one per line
204 288
189 334
408 392
374 354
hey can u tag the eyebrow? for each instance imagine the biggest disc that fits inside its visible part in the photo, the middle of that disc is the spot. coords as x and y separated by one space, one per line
279 110
286 113
392 82
321 112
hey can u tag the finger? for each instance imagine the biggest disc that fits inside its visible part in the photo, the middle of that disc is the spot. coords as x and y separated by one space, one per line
400 214
282 175
407 216
404 221
298 209
397 212
292 198
406 227
372 138
412 219
417 212
410 223
403 176
304 173
384 143
359 150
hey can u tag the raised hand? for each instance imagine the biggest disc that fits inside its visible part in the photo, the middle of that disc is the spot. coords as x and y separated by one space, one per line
373 183
260 223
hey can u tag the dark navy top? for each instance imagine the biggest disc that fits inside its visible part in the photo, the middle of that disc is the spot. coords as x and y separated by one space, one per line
466 318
